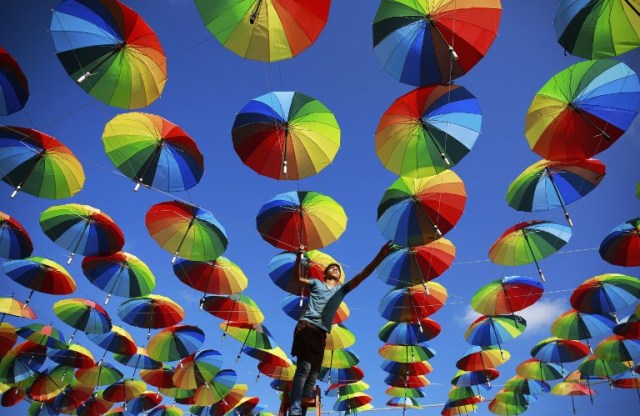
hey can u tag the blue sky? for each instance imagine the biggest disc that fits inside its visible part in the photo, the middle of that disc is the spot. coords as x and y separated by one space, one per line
208 84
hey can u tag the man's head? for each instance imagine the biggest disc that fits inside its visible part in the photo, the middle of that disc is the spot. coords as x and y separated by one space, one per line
332 272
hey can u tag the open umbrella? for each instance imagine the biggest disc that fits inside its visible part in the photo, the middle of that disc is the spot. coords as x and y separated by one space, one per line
581 326
231 400
546 185
480 358
313 262
606 293
418 368
84 315
40 275
159 377
407 353
335 390
265 30
277 372
593 366
117 341
508 404
526 386
38 164
109 51
629 328
404 402
22 362
8 337
215 389
138 360
197 369
152 151
582 110
301 218
75 356
416 211
166 410
617 348
146 401
14 87
527 242
48 383
124 390
94 405
430 42
72 397
275 356
186 231
151 311
494 330
251 334
219 277
233 308
13 307
621 246
428 130
175 343
569 388
507 295
101 374
559 351
404 380
341 375
474 378
339 338
536 369
286 135
413 303
344 358
409 333
15 242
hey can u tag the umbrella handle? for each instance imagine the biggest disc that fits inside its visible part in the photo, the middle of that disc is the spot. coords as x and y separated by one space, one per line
15 191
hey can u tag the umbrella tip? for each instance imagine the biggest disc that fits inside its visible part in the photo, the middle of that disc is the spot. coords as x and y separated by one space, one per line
15 191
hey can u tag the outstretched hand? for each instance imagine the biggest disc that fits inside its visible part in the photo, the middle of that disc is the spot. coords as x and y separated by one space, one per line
386 249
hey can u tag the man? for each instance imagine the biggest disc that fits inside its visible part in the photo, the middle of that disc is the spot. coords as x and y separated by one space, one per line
310 335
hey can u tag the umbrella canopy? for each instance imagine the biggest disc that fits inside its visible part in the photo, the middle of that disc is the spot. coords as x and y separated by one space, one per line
430 42
166 410
507 295
536 369
409 333
407 353
597 29
418 368
94 405
565 388
13 307
494 330
175 343
581 326
120 274
403 380
416 211
22 361
481 358
528 242
138 360
526 386
277 372
101 374
159 377
124 390
216 389
428 130
38 164
12 396
275 356
234 308
344 358
617 348
413 303
196 370
313 262
231 400
147 401
186 231
75 356
473 378
291 305
253 335
286 135
8 337
220 276
151 311
405 392
152 151
72 397
630 328
301 218
41 275
14 87
506 406
582 110
606 293
593 366
547 185
117 341
49 382
558 350
83 314
404 402
340 338
109 51
265 30
15 242
82 229
351 402
621 246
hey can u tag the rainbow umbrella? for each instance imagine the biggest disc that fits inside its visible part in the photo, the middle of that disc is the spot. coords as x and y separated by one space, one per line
617 348
464 378
75 356
159 377
628 380
508 404
274 356
351 402
630 328
571 389
294 306
233 308
186 231
622 245
597 29
8 337
409 333
253 335
339 338
430 42
196 370
220 276
166 410
582 110
231 400
13 307
286 135
536 369
41 409
265 30
526 386
407 353
109 51
413 303
301 218
559 351
147 401
120 274
606 293
175 343
404 402
216 389
335 390
84 315
41 275
124 390
101 374
152 151
247 406
14 87
72 397
313 264
507 295
94 405
546 185
22 362
138 360
416 211
82 229
418 368
455 409
15 242
117 341
12 396
48 383
404 380
341 375
151 311
277 372
527 242
341 358
494 330
593 366
581 326
408 266
428 130
38 164
480 358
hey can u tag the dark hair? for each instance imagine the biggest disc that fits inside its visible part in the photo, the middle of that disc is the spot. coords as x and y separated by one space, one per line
329 265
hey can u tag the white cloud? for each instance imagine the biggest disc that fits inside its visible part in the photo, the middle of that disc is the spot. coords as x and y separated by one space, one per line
468 317
541 315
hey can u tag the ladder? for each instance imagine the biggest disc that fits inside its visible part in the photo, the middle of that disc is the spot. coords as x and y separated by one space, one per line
284 404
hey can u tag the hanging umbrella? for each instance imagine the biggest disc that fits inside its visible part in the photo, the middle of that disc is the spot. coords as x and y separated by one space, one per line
409 333
428 130
418 368
622 245
480 358
294 306
48 383
15 242
559 351
147 401
74 356
617 348
535 369
593 366
120 274
414 212
8 337
186 231
166 410
175 343
473 378
341 375
14 87
196 370
507 404
286 135
117 341
313 262
413 303
41 275
408 266
159 377
407 353
455 409
180 396
572 389
101 374
124 390
344 358
109 51
582 110
84 315
13 307
301 218
403 380
21 362
94 405
216 389
12 397
606 293
275 356
151 311
253 335
265 30
231 400
430 42
278 372
72 397
404 402
138 360
152 151
597 29
336 390
507 295
41 409
220 276
581 326
630 328
494 330
528 242
546 185
339 338
233 308
526 386
38 164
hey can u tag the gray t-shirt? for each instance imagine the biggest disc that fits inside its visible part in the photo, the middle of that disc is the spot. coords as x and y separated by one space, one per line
323 303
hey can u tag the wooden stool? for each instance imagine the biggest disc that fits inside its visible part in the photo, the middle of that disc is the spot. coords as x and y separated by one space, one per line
284 404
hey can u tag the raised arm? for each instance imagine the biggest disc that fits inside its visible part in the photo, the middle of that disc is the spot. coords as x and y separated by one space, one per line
297 276
385 250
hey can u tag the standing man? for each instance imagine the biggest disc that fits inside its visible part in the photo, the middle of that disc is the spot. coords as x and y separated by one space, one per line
310 335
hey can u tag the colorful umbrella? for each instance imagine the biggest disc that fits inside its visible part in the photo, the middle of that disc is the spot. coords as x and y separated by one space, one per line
404 402
528 242
13 307
507 295
571 389
581 326
265 30
278 372
630 328
294 306
48 383
12 396
593 366
124 390
220 276
546 185
72 397
166 410
428 130
152 151
408 381
341 375
508 405
526 386
606 293
313 262
15 242
38 164
494 330
101 374
413 303
41 275
416 211
151 311
274 356
231 400
14 88
582 110
344 358
41 409
339 338
175 343
409 333
455 409
75 356
147 401
138 360
559 351
617 348
84 315
473 378
597 29
196 370
418 368
8 337
621 246
215 389
120 274
110 51
286 135
430 42
94 405
253 335
186 231
535 369
117 341
21 362
407 353
481 358
335 390
45 335
408 266
159 377
301 218
234 308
